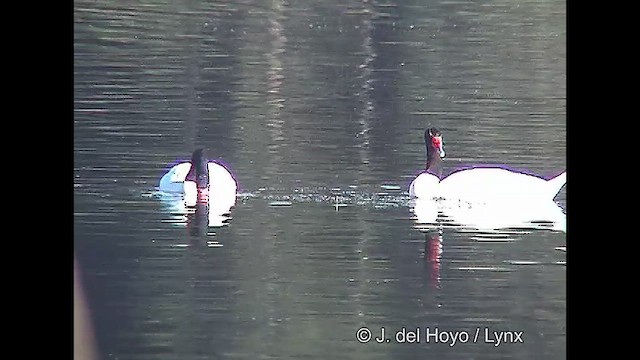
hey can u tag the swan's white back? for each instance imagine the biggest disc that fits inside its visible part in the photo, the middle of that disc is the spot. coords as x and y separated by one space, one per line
487 184
173 180
220 180
492 183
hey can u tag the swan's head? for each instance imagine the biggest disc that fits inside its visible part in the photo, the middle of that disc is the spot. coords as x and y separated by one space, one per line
433 139
199 172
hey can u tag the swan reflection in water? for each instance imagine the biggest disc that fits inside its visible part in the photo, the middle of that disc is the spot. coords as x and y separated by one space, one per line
198 218
432 255
490 217
496 218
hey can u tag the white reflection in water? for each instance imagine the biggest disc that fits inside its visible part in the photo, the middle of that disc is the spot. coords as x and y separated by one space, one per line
492 217
199 218
495 221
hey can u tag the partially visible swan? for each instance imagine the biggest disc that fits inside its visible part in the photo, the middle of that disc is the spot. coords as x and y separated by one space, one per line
200 180
478 183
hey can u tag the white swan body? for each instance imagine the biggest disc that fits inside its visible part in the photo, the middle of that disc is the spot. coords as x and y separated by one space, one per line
425 186
497 184
486 184
173 180
222 186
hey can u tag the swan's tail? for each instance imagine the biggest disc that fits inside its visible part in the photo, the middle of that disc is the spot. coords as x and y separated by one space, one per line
555 184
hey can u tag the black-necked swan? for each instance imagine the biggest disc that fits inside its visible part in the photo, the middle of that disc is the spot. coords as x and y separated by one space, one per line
479 183
201 180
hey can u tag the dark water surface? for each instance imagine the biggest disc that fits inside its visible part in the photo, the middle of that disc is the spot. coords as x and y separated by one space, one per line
314 104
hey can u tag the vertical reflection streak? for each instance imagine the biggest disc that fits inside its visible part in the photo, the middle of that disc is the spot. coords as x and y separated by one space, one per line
275 122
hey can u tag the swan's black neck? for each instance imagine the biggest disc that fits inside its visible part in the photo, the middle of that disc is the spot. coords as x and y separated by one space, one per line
434 162
199 172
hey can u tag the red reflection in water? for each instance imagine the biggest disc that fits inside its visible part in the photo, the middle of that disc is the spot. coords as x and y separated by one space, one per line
432 253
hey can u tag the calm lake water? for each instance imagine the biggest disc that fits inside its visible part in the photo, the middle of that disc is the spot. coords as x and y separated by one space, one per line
319 109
